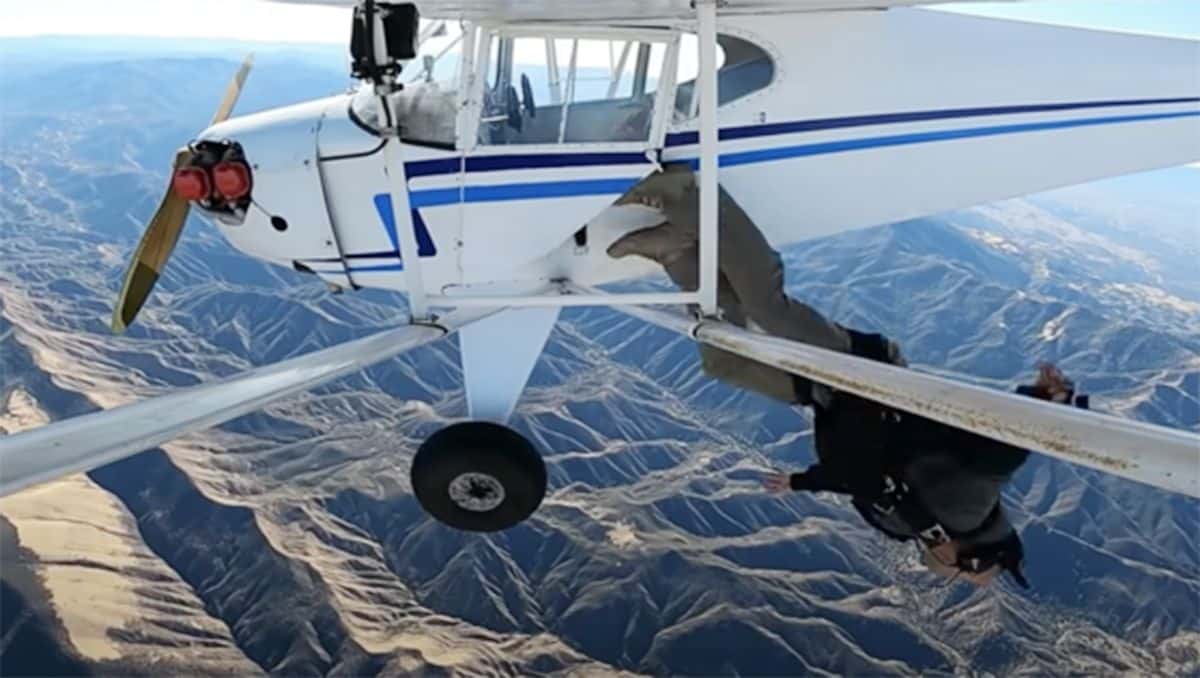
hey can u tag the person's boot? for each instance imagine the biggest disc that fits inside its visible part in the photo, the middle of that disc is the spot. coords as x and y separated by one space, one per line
664 244
667 192
875 347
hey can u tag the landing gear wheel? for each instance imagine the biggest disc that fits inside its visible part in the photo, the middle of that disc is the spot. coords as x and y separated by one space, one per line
479 477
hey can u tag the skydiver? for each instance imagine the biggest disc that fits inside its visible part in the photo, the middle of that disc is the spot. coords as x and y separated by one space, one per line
912 478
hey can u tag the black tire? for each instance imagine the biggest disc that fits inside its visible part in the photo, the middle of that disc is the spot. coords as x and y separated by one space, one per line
479 477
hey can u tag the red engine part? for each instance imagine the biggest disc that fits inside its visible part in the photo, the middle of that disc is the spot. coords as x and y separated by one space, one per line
191 183
232 179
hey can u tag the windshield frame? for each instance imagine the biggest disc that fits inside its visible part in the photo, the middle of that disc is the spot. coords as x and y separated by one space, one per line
469 133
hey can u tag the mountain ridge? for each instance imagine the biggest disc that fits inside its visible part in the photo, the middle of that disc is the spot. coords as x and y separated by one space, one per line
655 552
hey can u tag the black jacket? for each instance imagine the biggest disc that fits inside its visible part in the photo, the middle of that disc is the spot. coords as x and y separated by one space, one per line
954 476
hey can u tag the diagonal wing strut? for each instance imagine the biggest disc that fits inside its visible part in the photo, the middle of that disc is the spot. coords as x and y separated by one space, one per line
92 440
1156 455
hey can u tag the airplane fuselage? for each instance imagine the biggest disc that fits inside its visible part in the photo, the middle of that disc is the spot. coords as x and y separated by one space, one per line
904 114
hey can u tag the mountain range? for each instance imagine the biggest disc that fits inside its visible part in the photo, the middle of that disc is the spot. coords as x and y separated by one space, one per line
288 541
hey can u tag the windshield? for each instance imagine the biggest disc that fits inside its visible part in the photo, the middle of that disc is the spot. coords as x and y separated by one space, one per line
547 90
438 56
743 68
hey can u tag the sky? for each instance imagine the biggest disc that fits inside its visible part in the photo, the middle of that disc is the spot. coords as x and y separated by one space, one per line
249 19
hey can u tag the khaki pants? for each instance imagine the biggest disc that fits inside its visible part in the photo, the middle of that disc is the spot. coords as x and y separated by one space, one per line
751 289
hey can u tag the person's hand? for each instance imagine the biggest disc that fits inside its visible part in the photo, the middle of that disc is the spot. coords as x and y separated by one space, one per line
776 482
1054 383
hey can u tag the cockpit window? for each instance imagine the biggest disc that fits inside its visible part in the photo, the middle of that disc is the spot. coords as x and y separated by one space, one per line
428 113
437 57
544 90
554 90
744 68
427 105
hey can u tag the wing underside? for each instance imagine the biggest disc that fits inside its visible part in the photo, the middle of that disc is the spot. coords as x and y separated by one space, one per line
89 441
623 10
1155 455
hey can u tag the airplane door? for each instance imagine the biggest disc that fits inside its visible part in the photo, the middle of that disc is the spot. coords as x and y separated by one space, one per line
564 122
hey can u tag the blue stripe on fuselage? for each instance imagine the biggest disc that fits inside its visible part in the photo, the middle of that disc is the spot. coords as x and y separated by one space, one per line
496 163
500 163
845 145
365 269
525 191
775 129
561 189
425 246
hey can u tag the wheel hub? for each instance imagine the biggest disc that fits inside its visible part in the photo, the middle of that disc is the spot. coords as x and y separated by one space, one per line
477 492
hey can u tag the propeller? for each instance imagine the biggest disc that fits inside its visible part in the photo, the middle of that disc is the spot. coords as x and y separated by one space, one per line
162 233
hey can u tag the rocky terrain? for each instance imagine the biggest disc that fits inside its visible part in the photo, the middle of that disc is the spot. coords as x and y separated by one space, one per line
288 541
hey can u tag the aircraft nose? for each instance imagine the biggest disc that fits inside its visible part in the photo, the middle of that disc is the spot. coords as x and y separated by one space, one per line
268 196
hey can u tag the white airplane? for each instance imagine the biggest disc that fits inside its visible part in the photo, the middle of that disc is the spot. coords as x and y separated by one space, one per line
477 167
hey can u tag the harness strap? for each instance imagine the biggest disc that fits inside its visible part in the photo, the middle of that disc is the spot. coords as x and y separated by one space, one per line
897 497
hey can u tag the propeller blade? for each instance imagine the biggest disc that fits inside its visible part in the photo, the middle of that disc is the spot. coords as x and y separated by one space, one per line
233 91
162 233
152 252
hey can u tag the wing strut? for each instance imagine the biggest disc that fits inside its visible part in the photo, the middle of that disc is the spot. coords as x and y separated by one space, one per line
706 15
1163 457
92 440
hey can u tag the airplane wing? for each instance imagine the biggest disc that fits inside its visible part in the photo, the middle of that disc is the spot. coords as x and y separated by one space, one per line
622 10
882 117
1155 455
93 440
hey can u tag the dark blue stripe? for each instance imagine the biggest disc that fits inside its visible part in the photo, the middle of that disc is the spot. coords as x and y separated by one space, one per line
494 163
498 163
382 267
557 189
362 255
821 148
427 168
529 191
751 131
383 205
370 255
425 246
367 269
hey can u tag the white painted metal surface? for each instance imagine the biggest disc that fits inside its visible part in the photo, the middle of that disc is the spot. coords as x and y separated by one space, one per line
402 218
706 11
877 117
89 441
562 301
498 355
1155 455
281 145
539 195
464 125
621 10
906 113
